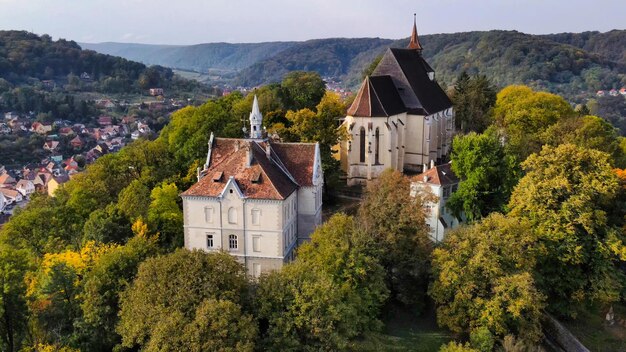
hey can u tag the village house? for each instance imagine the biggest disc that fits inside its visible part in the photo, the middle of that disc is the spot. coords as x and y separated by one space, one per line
255 198
440 182
105 120
400 118
41 128
66 131
12 196
6 180
156 91
77 142
51 146
11 115
3 202
25 187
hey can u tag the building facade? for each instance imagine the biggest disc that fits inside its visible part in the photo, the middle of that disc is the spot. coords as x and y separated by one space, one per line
255 198
400 118
438 181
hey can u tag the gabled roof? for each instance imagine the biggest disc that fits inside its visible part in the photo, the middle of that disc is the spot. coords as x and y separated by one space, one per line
262 178
299 159
440 175
378 96
6 179
408 65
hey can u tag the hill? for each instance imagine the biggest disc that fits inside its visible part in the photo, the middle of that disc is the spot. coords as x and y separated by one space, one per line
200 57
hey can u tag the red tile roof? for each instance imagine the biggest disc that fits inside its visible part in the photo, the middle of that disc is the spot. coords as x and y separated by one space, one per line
230 158
438 175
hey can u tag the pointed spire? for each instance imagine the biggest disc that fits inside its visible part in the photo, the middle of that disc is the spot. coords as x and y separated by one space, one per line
415 42
256 120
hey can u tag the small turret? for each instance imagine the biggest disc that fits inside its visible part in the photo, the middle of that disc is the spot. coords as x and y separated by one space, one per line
415 42
256 121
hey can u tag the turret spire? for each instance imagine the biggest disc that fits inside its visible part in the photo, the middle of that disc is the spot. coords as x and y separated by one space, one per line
415 42
256 120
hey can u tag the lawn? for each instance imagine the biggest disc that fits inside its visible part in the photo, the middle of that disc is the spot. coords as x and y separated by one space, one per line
405 332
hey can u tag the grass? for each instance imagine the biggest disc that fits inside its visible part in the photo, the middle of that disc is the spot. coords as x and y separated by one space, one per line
404 331
593 332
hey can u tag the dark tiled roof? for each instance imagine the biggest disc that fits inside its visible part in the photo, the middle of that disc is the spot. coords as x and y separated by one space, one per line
229 157
438 175
415 69
378 96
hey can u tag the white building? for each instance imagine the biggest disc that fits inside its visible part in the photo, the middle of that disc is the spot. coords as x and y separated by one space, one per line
3 201
400 118
11 196
25 187
440 182
255 198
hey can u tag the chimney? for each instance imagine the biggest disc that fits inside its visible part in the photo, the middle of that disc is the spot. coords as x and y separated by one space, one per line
268 150
248 155
198 174
424 168
432 164
425 178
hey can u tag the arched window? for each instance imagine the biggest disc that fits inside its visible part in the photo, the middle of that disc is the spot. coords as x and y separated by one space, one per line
377 147
232 215
362 145
232 242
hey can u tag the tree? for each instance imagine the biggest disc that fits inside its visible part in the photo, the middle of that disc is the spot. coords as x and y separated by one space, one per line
165 215
487 174
111 275
332 293
167 291
303 89
483 279
524 114
14 264
473 99
107 225
566 195
586 132
396 221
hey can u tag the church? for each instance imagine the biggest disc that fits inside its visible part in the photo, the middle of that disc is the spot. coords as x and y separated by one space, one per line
255 198
400 118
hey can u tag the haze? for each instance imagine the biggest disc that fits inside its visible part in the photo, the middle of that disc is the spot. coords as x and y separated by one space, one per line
198 21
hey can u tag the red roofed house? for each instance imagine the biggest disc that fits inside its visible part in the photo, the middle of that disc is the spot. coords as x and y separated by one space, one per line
400 118
50 146
6 181
441 182
105 121
254 198
77 142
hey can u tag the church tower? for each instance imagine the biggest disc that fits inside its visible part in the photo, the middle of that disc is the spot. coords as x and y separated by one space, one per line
415 42
256 121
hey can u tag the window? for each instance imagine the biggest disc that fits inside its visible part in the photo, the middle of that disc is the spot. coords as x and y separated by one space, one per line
209 240
362 145
377 147
256 243
256 216
208 214
232 242
232 215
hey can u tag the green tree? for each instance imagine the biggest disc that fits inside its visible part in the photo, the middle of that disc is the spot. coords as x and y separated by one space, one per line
487 174
133 200
473 99
14 264
395 220
165 215
168 290
110 276
107 225
566 194
483 279
331 294
525 114
304 90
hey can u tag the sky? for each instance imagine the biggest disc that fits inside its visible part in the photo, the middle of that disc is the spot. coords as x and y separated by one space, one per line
186 22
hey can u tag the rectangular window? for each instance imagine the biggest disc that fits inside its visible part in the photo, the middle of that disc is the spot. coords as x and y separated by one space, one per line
208 214
256 243
232 242
256 216
209 240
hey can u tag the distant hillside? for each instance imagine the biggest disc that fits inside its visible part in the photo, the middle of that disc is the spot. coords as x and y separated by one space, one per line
571 64
200 57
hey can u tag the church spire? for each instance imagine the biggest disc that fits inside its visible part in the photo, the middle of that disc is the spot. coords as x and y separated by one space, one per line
256 121
415 42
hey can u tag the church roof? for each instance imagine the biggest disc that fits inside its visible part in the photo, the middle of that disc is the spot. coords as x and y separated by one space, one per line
378 96
275 177
415 42
415 69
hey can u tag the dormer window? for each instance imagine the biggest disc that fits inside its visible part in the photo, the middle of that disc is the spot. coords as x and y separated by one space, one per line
256 177
217 177
431 75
